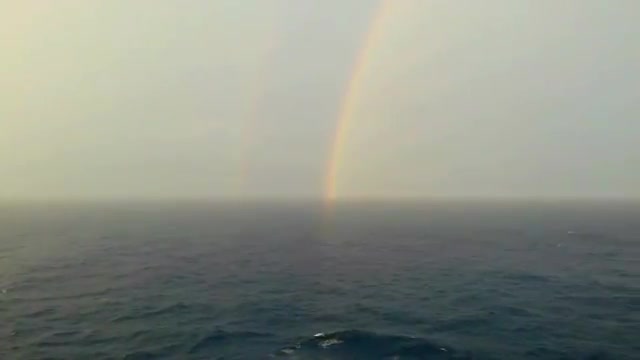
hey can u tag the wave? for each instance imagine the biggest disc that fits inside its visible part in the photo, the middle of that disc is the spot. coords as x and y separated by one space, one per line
357 344
224 338
171 309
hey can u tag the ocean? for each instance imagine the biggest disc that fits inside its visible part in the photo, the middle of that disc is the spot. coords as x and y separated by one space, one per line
291 280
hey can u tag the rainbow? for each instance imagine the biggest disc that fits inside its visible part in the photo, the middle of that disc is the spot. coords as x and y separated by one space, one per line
350 100
267 47
247 124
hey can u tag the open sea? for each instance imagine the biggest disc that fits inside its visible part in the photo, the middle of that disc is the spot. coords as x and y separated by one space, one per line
289 280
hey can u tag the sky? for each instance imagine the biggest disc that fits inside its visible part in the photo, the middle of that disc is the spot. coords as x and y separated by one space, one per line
322 99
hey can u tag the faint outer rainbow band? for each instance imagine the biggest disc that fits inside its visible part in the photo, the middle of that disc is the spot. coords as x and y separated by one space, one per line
271 40
350 101
248 122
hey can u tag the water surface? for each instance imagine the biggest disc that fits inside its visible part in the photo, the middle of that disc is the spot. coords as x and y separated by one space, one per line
374 280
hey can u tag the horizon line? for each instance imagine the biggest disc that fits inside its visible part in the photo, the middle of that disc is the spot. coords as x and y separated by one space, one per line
342 199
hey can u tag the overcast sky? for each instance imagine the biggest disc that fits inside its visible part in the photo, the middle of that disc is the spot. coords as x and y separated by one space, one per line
175 98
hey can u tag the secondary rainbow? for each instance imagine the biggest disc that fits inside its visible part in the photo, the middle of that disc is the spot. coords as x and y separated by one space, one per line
266 48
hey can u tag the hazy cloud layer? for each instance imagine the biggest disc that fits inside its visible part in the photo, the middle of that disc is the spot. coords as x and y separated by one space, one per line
169 98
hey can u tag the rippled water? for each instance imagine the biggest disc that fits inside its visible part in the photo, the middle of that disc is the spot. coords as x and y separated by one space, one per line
284 280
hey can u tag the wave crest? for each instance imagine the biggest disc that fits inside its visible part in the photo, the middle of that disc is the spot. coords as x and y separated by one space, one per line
358 344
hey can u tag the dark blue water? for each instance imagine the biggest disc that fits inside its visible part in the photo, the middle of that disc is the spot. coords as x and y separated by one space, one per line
437 280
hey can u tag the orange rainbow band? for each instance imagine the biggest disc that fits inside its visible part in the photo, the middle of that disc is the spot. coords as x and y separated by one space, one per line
349 102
